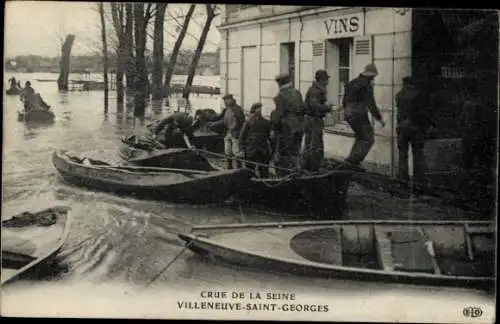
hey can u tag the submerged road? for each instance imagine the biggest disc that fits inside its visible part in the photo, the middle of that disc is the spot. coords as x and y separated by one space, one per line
118 244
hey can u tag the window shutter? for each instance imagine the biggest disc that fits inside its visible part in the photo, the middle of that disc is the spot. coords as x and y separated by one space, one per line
318 60
363 53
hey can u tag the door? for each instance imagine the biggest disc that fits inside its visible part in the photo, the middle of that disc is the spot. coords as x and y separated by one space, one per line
250 77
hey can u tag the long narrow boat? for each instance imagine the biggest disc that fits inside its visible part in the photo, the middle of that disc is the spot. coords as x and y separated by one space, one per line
13 91
320 190
448 253
174 185
31 239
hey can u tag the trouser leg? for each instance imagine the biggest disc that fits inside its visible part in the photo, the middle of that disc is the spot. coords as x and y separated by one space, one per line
363 142
228 151
403 141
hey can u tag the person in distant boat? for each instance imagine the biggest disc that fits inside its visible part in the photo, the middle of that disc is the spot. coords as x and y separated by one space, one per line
288 118
40 103
255 141
177 121
28 97
232 118
13 83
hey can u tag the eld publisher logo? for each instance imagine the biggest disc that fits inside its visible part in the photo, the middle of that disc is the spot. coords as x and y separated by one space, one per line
472 311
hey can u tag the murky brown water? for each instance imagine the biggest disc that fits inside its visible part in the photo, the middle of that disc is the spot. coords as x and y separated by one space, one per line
124 242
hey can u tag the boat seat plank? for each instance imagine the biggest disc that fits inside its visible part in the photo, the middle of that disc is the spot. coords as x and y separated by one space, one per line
384 249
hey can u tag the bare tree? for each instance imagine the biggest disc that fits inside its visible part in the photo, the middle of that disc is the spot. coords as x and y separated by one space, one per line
118 16
158 54
105 56
129 46
175 51
62 81
211 14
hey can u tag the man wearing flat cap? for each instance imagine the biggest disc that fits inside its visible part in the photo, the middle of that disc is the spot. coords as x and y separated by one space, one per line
232 118
357 102
316 109
255 141
287 120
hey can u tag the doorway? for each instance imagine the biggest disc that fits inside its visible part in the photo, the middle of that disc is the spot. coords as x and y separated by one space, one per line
287 60
249 78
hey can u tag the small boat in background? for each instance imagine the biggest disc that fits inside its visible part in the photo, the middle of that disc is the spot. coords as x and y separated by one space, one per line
13 91
442 253
169 184
36 115
30 239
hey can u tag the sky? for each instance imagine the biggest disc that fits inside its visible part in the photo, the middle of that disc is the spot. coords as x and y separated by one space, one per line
40 33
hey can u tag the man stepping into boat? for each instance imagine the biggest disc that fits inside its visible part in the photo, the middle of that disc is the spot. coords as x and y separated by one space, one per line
255 141
177 121
316 109
288 118
232 118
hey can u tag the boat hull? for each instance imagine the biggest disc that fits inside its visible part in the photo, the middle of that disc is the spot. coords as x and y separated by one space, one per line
13 91
41 116
33 240
177 187
310 249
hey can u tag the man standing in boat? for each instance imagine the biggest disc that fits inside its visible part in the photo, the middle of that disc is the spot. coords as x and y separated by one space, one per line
358 100
233 118
288 121
28 97
177 121
255 141
316 109
411 128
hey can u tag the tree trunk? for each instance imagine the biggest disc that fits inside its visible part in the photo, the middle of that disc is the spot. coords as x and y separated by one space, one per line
62 81
158 57
118 13
175 51
199 50
140 61
129 47
104 56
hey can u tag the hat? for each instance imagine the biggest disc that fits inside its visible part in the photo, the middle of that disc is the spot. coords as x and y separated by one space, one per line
321 75
370 70
228 96
408 80
283 78
28 83
255 106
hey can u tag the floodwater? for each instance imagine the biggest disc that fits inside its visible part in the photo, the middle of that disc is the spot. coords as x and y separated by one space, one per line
118 245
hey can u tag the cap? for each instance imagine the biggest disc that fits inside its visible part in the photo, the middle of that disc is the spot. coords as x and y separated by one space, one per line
370 70
228 96
283 78
255 106
321 75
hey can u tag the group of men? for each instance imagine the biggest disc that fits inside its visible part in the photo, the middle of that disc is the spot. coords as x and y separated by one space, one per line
296 120
31 99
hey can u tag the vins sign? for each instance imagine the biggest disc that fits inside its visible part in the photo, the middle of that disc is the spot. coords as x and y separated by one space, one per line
344 26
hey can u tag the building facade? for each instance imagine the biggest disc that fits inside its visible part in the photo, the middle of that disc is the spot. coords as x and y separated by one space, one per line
258 42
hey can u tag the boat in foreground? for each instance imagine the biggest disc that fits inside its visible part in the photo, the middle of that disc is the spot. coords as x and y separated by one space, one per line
174 185
448 253
316 190
31 239
36 115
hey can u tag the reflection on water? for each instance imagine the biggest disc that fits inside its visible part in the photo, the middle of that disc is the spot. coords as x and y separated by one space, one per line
119 239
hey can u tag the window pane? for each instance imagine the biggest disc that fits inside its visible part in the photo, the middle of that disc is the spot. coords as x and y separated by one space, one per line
344 54
344 76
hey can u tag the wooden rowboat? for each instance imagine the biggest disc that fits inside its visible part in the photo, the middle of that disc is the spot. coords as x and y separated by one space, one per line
30 239
36 115
13 91
295 191
174 185
451 253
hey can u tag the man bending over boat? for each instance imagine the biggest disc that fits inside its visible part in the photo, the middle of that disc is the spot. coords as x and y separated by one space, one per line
255 141
28 97
180 121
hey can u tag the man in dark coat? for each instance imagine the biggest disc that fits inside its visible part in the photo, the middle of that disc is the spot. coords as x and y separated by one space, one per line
411 129
288 120
255 140
232 118
177 121
357 102
316 109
